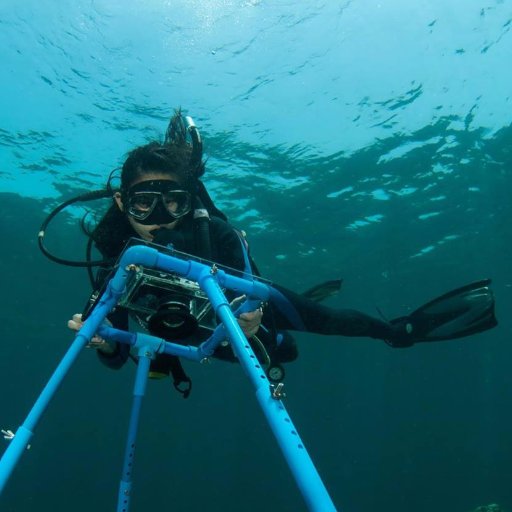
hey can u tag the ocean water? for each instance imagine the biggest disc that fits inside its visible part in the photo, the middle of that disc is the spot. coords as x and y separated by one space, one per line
365 140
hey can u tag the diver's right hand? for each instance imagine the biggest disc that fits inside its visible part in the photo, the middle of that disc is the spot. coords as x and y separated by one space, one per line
97 342
249 321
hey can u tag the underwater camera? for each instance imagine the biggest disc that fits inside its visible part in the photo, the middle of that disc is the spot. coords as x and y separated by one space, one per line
166 304
175 308
169 306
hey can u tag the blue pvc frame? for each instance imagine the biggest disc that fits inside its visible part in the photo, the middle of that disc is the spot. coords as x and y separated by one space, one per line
210 279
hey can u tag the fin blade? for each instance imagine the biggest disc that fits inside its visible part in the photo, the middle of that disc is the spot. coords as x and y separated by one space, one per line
323 290
456 314
442 300
475 320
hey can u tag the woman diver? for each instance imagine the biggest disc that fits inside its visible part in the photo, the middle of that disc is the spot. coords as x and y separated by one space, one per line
163 201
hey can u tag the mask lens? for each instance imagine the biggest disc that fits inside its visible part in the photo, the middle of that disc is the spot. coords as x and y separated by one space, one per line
177 202
141 204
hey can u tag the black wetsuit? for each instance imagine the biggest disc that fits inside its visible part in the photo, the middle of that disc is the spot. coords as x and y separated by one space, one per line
227 250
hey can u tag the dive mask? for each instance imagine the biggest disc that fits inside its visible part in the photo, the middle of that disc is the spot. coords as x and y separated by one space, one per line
157 202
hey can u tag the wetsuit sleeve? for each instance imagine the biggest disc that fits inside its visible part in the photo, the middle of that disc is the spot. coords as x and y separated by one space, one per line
226 245
118 358
227 249
119 319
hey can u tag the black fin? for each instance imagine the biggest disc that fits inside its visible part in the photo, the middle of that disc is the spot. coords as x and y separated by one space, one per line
461 312
321 291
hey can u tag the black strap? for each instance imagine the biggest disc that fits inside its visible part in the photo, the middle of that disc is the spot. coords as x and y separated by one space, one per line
202 230
207 201
181 381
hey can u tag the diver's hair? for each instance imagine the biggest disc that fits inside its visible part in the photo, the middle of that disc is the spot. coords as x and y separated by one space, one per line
173 156
159 158
112 233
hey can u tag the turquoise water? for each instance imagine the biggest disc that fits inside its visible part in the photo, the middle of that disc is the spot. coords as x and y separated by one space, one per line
364 140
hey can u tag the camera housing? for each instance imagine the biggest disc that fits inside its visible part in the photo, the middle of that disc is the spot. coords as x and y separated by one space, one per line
164 303
168 305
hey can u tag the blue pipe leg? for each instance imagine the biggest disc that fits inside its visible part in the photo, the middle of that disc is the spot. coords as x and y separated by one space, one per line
25 431
306 476
17 446
125 486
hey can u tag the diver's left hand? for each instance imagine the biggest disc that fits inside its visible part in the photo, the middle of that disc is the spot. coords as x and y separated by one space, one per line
249 322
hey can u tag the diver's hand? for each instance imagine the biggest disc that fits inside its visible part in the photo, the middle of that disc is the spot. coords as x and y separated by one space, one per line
97 342
249 322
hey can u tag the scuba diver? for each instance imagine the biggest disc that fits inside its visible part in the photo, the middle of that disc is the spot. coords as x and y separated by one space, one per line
162 200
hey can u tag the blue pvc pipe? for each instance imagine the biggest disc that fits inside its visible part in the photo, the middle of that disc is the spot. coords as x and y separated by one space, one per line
24 433
141 378
193 270
220 334
303 470
308 480
156 345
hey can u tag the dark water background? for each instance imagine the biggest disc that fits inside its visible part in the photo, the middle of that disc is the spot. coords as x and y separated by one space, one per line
403 211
